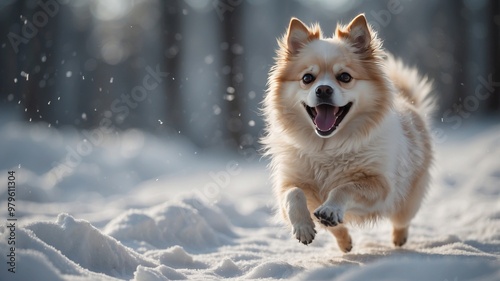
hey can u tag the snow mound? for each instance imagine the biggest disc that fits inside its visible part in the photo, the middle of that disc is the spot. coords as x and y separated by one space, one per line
134 225
177 257
37 247
275 270
188 223
34 256
159 273
227 268
211 214
90 248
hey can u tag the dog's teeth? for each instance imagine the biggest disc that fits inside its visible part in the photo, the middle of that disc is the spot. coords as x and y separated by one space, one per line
336 111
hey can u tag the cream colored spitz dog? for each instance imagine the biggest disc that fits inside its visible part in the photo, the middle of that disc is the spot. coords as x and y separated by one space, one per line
347 132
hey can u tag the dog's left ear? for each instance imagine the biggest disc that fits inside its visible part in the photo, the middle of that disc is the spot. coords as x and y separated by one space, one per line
357 33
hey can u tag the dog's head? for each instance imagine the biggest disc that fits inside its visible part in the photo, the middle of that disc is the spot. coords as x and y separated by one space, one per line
328 85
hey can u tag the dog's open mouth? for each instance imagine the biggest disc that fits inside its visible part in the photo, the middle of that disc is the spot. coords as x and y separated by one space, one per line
327 117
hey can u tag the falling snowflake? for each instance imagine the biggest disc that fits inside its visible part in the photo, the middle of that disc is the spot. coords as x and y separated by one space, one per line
217 110
25 75
209 59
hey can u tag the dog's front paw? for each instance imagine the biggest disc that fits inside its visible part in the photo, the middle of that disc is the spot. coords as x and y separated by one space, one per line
304 232
329 215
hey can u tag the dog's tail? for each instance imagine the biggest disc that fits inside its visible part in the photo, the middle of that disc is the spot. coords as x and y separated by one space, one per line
411 86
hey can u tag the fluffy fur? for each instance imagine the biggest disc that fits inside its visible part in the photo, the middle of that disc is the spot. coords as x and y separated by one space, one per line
353 144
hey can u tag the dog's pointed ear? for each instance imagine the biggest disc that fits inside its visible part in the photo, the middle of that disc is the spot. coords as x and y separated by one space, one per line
298 35
357 33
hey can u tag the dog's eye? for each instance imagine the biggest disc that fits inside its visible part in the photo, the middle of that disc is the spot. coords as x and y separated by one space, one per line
344 77
307 78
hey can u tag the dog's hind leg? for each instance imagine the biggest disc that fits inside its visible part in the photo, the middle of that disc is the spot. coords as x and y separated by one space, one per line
344 240
403 216
400 235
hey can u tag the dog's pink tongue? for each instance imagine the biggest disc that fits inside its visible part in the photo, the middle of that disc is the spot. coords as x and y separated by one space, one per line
325 116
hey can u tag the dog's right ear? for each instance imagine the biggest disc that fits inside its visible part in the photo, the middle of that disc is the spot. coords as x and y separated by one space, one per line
299 34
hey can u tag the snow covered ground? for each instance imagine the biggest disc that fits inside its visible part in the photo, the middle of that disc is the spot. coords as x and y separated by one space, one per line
137 207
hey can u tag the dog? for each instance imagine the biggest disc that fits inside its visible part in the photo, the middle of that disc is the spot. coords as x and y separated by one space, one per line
347 132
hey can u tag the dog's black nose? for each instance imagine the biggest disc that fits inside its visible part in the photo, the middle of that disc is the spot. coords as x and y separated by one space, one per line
324 91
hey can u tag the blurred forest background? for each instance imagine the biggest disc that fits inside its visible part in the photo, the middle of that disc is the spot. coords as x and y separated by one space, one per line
76 63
